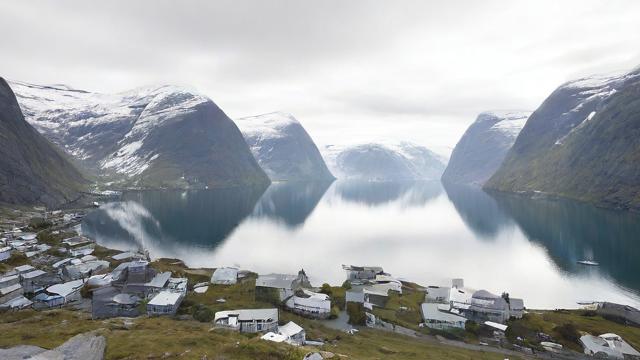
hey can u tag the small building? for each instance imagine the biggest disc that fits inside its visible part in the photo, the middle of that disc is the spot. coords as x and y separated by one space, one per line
293 333
225 276
10 292
628 313
44 299
84 270
609 346
69 291
107 302
9 280
437 316
23 269
438 294
276 288
249 320
79 245
166 302
5 253
487 306
33 281
310 304
17 303
368 295
357 274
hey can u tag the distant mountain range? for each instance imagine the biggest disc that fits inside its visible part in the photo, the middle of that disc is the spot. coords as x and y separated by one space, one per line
153 137
383 162
583 142
483 146
32 170
283 148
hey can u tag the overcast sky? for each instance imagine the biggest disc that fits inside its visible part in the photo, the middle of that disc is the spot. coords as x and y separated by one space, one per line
350 71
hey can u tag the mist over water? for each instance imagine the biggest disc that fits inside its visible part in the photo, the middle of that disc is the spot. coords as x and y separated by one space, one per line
420 231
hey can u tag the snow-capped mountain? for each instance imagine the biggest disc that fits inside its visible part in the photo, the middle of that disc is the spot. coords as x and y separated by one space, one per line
283 148
580 143
383 162
162 136
483 146
32 170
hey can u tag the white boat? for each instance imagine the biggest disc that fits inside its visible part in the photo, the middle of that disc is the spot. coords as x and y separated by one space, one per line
588 262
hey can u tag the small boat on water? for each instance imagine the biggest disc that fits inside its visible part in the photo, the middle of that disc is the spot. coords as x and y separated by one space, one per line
588 262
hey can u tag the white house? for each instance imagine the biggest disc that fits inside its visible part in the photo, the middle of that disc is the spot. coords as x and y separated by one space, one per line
436 316
166 302
309 303
491 307
293 333
32 280
249 320
225 276
611 345
281 285
70 291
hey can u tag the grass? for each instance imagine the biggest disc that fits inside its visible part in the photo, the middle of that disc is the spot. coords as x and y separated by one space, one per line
152 338
403 309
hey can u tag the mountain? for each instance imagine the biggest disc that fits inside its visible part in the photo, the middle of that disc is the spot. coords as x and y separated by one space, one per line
153 137
384 162
283 148
483 146
32 170
581 143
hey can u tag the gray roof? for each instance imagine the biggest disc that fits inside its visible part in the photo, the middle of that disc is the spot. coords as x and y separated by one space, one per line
249 314
278 281
431 311
160 280
33 274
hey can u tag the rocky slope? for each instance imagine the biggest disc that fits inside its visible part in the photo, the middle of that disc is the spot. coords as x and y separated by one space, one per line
283 148
32 170
581 143
483 147
152 137
383 162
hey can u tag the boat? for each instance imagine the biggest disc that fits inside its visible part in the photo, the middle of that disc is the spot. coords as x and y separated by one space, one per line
588 262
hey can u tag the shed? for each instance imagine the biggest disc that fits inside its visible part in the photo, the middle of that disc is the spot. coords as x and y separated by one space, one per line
293 333
166 302
225 276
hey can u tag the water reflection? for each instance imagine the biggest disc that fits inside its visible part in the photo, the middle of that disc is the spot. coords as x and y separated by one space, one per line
413 230
573 231
166 219
374 193
291 202
478 210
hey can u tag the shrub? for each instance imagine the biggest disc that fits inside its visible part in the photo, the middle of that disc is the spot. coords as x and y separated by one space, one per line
346 285
568 332
356 313
335 311
203 313
472 327
326 289
38 223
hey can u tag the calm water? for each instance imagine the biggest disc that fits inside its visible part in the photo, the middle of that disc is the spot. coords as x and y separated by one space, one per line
419 231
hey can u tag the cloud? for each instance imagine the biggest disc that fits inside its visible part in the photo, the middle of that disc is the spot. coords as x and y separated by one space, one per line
364 67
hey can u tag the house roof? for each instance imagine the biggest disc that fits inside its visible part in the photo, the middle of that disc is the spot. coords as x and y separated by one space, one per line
23 268
125 299
33 274
431 311
8 278
496 325
160 280
271 336
5 249
225 274
278 281
9 289
165 297
290 329
597 344
65 289
249 314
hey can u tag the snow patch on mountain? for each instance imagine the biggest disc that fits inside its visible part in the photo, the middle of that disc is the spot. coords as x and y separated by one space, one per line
106 130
